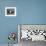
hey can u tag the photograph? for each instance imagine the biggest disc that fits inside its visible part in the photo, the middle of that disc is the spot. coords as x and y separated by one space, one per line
10 11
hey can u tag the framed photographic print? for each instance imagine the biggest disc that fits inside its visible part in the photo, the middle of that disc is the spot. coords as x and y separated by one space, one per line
10 11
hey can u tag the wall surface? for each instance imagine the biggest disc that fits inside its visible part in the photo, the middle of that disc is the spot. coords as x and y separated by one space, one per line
28 12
